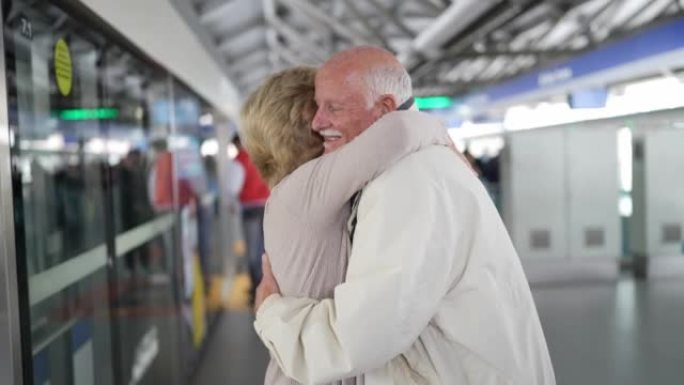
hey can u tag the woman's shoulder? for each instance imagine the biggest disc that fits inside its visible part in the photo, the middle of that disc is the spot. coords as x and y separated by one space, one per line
283 203
297 179
292 188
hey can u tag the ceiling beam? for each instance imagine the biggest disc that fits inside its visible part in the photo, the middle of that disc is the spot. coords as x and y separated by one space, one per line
223 41
372 30
316 14
453 21
190 15
638 13
247 62
434 6
225 32
243 44
219 11
291 57
272 42
483 31
393 18
479 33
299 42
295 39
255 76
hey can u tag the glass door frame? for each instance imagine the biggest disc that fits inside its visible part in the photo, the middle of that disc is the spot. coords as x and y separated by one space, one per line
11 340
15 341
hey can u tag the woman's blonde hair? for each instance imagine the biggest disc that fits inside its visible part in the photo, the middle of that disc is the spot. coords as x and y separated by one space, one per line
276 124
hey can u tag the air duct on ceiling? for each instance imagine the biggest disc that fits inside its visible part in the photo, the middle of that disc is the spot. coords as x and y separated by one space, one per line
454 20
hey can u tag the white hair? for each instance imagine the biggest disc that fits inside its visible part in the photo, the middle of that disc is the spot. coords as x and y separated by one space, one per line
388 80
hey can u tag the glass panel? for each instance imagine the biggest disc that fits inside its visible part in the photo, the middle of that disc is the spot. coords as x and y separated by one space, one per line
212 226
191 181
116 210
53 72
147 318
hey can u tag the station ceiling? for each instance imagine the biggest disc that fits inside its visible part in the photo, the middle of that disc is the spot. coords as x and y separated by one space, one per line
449 47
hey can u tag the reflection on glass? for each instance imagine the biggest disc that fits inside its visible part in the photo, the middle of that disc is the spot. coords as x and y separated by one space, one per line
146 314
60 207
115 216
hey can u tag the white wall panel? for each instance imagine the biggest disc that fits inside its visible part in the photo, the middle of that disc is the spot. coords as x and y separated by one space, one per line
657 224
592 187
593 192
535 192
563 180
664 191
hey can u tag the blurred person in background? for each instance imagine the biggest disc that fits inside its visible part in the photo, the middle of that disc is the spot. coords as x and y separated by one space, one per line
474 164
306 216
211 171
434 291
252 191
135 203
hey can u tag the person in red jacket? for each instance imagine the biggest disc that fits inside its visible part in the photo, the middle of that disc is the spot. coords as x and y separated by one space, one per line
253 193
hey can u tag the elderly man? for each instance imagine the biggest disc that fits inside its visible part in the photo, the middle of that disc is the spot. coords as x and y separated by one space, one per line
434 291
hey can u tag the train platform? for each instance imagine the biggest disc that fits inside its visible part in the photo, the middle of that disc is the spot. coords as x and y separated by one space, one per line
132 216
625 335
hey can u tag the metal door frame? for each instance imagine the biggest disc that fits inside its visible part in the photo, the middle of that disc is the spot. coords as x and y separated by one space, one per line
10 326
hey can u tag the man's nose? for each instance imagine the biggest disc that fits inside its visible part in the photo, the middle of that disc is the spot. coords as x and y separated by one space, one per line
319 121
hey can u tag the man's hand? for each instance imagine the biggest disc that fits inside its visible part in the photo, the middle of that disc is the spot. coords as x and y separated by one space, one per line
268 285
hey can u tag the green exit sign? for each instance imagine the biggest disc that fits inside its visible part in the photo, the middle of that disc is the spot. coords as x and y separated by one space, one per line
434 102
88 114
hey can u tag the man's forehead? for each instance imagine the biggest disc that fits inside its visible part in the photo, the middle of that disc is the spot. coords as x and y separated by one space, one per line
332 82
327 75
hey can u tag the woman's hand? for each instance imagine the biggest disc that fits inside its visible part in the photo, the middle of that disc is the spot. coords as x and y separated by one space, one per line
268 285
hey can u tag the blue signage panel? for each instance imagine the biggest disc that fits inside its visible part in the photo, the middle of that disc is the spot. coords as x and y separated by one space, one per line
590 98
80 334
41 368
655 41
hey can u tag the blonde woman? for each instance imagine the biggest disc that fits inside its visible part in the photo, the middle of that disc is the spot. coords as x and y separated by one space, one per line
305 224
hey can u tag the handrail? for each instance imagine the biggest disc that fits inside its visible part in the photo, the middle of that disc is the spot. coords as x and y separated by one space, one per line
52 281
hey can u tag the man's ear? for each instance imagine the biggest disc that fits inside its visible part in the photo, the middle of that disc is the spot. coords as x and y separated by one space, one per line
387 104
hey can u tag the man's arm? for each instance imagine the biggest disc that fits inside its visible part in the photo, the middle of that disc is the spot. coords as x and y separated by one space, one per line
401 267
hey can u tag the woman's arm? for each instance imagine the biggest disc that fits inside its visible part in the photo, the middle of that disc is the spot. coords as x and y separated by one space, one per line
334 178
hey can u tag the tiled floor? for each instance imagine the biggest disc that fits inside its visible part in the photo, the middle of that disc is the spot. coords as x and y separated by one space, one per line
235 355
627 334
630 333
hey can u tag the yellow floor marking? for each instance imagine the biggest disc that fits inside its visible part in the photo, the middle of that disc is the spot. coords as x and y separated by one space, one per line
239 294
239 248
214 300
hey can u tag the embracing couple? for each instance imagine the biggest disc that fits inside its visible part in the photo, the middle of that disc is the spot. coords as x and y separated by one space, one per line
386 263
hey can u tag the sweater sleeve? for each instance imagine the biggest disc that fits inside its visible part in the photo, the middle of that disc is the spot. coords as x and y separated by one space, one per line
331 180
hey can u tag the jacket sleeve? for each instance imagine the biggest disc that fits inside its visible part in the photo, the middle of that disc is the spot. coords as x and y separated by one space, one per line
399 271
336 177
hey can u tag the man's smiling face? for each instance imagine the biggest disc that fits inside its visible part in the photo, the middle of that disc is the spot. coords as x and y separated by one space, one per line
343 106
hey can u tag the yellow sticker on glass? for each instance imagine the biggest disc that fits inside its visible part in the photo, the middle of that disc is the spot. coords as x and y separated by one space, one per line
64 72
